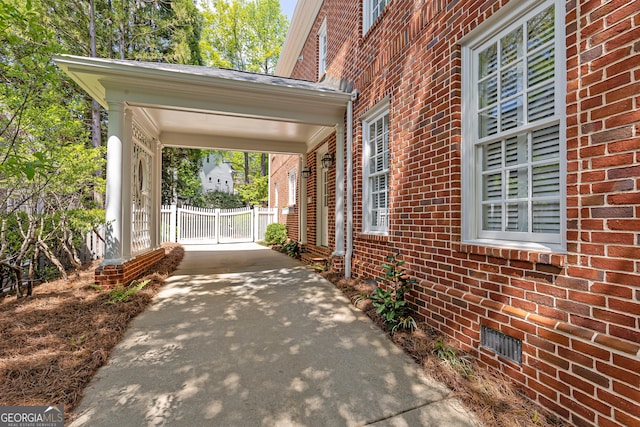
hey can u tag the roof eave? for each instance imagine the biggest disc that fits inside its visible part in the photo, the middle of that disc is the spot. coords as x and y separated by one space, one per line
94 75
302 21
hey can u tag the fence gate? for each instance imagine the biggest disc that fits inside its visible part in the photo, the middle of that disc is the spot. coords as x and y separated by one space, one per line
189 224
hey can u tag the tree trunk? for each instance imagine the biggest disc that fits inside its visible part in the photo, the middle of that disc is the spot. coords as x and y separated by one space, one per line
246 168
263 164
51 257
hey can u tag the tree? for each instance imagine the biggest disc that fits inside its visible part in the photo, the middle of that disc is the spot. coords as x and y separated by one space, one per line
256 192
245 36
47 175
180 176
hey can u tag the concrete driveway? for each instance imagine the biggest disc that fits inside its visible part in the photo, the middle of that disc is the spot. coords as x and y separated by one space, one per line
243 336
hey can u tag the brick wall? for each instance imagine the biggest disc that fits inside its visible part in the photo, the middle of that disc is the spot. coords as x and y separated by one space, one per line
281 166
577 314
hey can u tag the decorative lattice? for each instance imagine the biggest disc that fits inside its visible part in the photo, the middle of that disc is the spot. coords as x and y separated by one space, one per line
141 162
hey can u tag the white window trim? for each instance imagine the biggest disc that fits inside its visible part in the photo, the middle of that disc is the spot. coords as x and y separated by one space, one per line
322 49
498 24
380 110
292 182
367 22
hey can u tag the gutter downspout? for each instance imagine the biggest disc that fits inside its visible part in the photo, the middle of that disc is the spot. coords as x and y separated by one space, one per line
349 249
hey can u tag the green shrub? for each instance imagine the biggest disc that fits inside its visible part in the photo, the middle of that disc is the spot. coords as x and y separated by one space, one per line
292 248
390 302
276 234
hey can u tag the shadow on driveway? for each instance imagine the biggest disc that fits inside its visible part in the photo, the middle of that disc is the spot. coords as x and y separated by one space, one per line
243 336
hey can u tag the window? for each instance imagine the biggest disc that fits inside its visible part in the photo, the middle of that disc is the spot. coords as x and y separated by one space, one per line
513 168
376 170
371 9
322 49
292 188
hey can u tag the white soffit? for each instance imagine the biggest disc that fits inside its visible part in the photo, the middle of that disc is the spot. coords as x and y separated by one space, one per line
201 107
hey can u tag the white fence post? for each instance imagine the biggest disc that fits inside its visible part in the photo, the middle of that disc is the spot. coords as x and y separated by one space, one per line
173 223
218 226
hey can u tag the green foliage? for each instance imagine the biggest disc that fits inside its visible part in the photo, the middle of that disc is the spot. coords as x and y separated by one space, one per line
389 300
243 35
275 234
122 293
180 176
256 193
292 248
219 200
460 363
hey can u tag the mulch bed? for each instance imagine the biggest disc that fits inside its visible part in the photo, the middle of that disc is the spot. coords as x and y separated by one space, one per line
490 395
54 341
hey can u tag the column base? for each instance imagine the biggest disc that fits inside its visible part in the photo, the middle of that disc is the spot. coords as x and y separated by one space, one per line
113 274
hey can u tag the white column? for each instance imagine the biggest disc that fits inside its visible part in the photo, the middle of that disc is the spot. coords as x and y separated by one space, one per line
339 232
156 195
118 191
302 202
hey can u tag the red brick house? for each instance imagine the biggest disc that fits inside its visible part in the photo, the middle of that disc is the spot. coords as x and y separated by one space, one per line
496 145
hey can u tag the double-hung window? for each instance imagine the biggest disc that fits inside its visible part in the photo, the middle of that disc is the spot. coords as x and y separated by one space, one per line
513 119
322 49
376 170
371 10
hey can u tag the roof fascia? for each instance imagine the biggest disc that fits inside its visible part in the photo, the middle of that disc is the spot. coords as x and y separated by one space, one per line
109 74
302 21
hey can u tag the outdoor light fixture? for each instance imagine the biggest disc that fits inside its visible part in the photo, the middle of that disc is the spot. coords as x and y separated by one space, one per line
306 172
327 160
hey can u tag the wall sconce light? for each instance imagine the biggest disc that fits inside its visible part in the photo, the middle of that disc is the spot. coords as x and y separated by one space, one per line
328 160
306 172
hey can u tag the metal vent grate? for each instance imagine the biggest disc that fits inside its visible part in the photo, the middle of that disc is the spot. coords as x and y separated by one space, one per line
502 344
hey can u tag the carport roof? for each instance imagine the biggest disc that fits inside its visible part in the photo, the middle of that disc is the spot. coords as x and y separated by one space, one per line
203 107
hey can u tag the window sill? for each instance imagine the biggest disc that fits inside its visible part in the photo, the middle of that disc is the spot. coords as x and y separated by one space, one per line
373 237
536 255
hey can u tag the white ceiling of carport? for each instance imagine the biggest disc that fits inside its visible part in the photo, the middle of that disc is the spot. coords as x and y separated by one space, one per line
202 107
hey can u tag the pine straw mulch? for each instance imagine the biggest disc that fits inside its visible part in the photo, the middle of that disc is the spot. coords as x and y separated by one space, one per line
54 341
491 396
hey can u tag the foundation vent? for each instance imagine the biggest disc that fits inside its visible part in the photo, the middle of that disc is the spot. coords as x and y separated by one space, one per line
502 344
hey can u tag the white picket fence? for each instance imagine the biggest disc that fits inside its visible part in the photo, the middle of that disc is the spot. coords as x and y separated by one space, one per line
188 224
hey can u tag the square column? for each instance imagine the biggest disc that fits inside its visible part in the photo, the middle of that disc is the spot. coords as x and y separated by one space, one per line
339 231
302 200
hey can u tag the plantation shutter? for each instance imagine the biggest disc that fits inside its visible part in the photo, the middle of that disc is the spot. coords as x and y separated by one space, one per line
378 172
518 135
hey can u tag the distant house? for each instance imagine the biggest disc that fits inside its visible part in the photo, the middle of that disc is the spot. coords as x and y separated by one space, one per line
495 144
216 175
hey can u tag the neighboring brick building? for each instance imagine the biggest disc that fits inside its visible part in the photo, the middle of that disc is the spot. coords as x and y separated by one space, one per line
496 145
283 189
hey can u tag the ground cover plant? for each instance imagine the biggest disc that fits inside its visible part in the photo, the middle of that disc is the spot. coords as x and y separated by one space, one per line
490 395
54 341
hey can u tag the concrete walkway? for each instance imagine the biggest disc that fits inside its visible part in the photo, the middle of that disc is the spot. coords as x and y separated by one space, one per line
243 336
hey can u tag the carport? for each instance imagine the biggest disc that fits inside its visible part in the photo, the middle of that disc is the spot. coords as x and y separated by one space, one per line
155 105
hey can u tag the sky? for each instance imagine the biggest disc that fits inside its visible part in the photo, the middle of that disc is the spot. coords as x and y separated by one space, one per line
287 7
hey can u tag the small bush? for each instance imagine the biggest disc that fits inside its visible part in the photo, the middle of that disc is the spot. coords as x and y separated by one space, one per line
276 234
292 248
390 302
